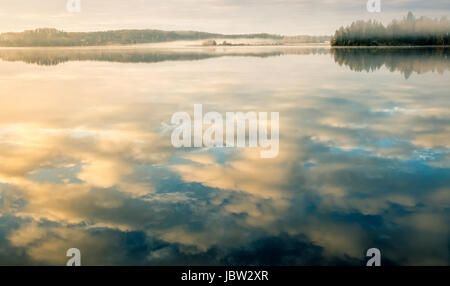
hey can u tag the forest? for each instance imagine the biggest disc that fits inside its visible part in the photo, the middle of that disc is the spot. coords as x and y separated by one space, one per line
410 31
49 37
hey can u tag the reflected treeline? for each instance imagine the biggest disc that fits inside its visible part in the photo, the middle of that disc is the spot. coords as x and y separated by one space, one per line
51 57
404 60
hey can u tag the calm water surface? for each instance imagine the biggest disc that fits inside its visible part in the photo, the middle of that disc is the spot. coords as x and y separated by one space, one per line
86 159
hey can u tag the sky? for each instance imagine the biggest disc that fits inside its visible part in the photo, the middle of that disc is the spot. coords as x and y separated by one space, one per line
288 17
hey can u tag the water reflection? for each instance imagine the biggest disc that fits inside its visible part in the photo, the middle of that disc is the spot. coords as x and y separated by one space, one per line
86 162
404 60
55 56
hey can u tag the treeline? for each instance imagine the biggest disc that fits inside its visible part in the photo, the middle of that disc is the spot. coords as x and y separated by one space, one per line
46 37
421 31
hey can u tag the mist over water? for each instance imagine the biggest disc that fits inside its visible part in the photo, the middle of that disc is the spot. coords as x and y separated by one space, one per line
87 159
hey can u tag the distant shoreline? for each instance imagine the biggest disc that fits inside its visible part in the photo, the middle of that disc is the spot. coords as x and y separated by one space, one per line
167 45
50 37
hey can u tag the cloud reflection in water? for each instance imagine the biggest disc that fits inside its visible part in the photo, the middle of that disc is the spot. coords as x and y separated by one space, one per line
87 160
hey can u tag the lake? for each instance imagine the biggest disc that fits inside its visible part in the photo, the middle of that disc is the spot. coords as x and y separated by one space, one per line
86 159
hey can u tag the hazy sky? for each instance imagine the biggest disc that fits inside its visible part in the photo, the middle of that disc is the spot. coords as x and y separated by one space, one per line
225 16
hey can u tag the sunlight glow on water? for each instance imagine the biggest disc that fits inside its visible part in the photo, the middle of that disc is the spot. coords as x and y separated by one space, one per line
87 161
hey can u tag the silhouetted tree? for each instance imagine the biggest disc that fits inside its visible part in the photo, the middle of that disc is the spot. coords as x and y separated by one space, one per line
409 31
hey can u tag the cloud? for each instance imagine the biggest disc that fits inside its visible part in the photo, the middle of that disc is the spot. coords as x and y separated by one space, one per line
227 16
